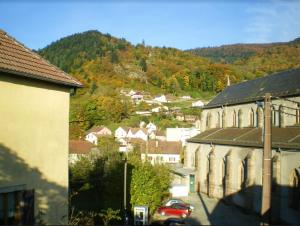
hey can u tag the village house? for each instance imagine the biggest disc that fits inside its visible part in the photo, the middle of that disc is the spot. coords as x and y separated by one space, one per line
137 97
187 97
141 133
161 99
198 104
34 136
96 132
181 134
158 135
161 152
226 158
80 148
151 127
121 132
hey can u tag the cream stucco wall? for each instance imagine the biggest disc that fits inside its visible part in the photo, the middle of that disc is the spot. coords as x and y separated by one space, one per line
216 120
34 137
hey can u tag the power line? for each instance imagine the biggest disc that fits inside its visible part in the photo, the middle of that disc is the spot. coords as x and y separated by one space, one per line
284 98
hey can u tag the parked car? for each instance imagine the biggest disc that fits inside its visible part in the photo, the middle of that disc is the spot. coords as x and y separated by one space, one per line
172 201
176 209
174 222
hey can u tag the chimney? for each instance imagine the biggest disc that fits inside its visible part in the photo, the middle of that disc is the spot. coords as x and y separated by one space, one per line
156 143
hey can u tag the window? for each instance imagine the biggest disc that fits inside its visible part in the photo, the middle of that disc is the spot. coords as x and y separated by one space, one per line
17 207
149 158
223 119
251 117
240 118
260 116
294 190
223 173
171 159
219 120
275 116
208 120
234 119
298 114
243 174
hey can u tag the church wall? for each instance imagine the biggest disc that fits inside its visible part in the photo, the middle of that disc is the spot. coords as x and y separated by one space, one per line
288 118
289 162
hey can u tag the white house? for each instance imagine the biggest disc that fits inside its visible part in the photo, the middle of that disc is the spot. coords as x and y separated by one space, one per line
132 92
151 127
186 97
160 109
162 152
121 132
181 134
79 148
96 132
145 113
198 103
141 133
161 99
137 97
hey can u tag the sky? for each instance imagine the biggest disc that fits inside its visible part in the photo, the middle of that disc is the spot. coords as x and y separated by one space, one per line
180 24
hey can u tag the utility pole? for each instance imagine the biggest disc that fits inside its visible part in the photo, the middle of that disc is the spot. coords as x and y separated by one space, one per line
267 155
125 184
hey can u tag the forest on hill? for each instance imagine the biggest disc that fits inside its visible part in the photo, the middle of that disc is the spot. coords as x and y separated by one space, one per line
106 64
255 60
98 59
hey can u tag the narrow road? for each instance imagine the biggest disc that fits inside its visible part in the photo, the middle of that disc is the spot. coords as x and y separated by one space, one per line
210 211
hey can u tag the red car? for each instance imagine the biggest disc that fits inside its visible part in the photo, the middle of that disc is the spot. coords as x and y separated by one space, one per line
176 209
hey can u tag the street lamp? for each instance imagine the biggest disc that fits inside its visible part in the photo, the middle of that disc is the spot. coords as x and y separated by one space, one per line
126 217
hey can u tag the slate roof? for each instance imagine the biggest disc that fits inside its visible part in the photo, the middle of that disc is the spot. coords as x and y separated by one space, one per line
282 84
16 59
80 147
285 138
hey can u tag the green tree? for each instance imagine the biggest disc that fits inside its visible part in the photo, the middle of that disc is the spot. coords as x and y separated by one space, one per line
109 215
149 185
143 64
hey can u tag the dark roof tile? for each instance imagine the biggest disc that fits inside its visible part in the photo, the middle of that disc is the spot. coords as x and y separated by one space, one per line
286 83
288 137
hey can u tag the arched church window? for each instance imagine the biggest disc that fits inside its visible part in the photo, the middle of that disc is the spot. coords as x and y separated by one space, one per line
223 119
208 120
251 117
234 119
219 120
243 174
298 114
294 190
240 118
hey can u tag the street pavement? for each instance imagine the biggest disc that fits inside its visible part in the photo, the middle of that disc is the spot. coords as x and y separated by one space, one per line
209 211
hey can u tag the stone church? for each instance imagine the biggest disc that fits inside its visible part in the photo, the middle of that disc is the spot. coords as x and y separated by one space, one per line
227 156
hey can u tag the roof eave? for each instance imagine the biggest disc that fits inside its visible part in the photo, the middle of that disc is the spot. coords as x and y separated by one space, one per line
38 77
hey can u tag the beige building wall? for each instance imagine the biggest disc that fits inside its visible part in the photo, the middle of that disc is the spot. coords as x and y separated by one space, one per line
244 120
34 138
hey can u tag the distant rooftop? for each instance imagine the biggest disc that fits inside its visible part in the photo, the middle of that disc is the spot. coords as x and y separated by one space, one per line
16 59
282 84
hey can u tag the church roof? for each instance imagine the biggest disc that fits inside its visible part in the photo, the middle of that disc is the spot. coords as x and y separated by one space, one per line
285 138
282 84
18 60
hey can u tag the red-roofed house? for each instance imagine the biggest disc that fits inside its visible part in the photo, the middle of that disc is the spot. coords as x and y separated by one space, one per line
79 148
162 152
98 131
34 136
